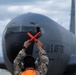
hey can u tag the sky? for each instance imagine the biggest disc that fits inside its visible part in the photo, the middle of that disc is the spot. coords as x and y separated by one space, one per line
58 10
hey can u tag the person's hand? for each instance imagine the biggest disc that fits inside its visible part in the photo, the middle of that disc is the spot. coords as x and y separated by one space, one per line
39 45
26 43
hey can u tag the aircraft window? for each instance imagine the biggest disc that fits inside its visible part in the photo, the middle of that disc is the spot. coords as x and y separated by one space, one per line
13 29
13 24
33 29
42 30
28 29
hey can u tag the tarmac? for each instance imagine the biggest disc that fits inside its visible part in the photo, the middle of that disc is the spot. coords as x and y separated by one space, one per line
5 73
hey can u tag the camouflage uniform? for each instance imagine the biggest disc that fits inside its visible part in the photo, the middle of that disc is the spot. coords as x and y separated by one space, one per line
42 67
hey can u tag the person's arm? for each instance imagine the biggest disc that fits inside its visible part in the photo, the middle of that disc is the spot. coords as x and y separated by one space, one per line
18 59
44 60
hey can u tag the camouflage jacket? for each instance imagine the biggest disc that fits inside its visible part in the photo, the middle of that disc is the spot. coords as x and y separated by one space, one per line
42 67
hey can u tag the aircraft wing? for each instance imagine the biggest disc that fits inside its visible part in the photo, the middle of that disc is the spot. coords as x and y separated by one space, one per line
2 64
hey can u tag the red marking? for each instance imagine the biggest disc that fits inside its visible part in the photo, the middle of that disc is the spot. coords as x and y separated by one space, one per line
33 37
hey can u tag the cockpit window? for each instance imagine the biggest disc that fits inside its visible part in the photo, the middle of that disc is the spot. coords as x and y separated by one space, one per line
9 31
28 29
25 29
12 29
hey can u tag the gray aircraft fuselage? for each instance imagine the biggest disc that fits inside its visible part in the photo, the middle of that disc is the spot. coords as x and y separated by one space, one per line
58 42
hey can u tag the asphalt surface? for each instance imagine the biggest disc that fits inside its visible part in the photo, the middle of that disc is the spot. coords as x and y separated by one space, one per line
4 73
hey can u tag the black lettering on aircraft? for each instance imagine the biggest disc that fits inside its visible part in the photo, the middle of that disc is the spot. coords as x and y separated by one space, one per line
56 48
51 48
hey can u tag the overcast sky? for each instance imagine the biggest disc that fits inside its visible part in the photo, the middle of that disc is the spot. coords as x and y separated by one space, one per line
58 10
